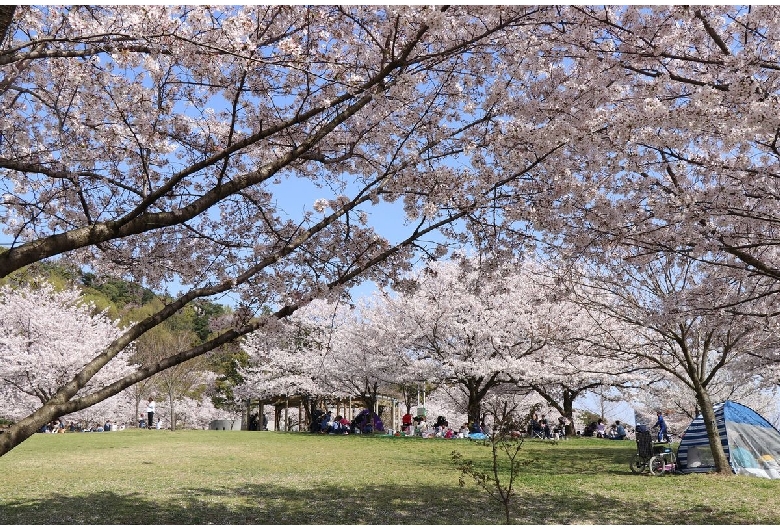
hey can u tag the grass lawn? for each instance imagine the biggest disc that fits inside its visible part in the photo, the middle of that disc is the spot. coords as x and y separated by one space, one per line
234 477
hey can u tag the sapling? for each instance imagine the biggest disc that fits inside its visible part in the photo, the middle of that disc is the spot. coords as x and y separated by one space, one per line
505 446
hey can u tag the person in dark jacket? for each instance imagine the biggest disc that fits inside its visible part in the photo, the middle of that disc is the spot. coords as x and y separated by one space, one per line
661 424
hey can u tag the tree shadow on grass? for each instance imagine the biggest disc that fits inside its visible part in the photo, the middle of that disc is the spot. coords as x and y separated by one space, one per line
250 503
614 460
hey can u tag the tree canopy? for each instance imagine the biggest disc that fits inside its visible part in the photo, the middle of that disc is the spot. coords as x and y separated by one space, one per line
152 143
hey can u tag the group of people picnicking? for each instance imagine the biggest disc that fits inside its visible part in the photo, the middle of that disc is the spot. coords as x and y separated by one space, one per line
540 427
419 426
616 431
58 426
367 422
147 422
326 423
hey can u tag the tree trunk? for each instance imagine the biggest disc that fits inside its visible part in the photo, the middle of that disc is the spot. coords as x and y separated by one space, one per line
477 388
172 418
6 17
568 410
407 393
474 409
20 431
708 415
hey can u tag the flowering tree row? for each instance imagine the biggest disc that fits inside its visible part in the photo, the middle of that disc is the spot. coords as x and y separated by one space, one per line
463 326
657 331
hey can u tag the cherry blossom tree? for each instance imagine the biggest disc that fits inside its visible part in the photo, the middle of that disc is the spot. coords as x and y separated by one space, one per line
475 326
367 353
292 360
192 413
46 337
687 148
680 407
329 350
566 370
661 314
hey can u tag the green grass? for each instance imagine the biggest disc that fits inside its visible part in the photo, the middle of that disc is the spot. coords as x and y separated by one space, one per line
233 477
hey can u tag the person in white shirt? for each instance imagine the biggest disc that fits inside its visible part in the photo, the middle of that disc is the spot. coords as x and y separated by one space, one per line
150 414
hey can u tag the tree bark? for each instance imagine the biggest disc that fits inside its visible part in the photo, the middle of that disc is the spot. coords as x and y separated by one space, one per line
722 465
6 17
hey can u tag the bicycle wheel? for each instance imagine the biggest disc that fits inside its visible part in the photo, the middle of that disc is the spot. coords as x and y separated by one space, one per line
656 465
638 464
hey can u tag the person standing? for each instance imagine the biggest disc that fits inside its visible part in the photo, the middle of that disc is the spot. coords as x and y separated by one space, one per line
406 421
150 413
661 424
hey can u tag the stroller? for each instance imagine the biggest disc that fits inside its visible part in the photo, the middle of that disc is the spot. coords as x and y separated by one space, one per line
655 457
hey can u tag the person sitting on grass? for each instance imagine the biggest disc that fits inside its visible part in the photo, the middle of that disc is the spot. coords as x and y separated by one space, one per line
464 431
420 426
337 427
535 426
325 423
545 427
345 425
617 431
406 421
475 428
601 429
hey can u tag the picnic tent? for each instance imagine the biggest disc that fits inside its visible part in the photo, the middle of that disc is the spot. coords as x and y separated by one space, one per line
751 443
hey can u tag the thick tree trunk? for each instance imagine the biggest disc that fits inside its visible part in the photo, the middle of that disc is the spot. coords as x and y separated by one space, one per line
474 407
722 465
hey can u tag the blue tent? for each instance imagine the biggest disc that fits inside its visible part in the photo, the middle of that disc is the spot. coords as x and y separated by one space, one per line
751 443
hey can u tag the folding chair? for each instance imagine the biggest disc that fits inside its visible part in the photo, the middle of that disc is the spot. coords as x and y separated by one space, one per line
537 431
